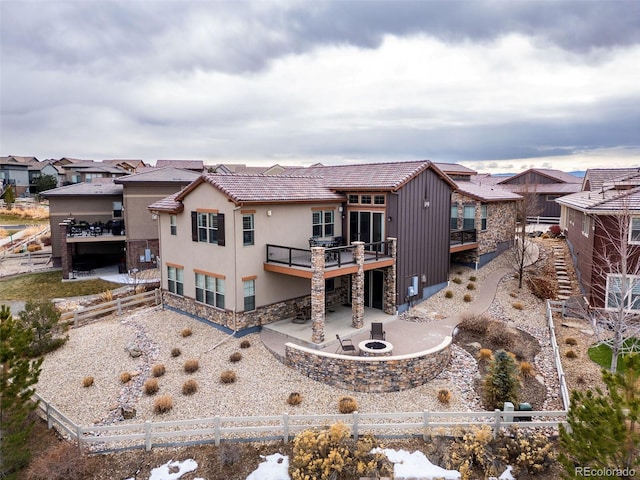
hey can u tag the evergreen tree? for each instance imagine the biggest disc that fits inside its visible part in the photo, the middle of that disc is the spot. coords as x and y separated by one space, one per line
45 182
604 430
501 383
18 376
9 196
42 318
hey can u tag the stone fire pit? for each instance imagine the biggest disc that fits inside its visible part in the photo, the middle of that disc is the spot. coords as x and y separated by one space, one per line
375 348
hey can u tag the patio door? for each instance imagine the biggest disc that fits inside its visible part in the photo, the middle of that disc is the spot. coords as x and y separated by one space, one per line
374 289
367 227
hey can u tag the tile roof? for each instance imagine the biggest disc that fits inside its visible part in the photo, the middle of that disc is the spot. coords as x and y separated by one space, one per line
485 179
605 201
594 178
166 175
454 168
188 164
487 193
167 204
371 176
558 175
543 188
106 187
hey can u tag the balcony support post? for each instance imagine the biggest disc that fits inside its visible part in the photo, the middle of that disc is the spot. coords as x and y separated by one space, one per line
317 294
357 287
389 302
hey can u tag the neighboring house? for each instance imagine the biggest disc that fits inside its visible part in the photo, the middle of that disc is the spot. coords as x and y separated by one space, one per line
131 166
140 191
590 221
86 203
194 165
235 249
546 185
242 168
39 169
85 171
14 173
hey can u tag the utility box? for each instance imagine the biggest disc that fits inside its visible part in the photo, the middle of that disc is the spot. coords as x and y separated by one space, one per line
524 407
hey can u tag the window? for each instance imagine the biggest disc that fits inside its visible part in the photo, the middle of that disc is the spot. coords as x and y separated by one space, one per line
483 217
586 224
210 290
365 199
173 227
378 199
353 198
623 292
330 285
117 209
249 295
469 221
247 229
207 227
454 217
175 276
634 231
323 223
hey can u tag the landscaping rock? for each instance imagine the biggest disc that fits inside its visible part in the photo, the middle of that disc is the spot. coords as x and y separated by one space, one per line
133 349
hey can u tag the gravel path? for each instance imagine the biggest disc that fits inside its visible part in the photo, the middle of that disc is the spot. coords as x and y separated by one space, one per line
263 384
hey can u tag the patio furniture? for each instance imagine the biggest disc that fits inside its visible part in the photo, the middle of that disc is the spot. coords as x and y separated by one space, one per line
302 314
346 345
377 333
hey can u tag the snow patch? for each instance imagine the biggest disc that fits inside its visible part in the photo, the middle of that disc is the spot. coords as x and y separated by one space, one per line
415 466
275 467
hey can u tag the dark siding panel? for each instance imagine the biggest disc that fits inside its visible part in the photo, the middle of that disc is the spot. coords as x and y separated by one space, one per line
531 178
221 230
423 233
194 226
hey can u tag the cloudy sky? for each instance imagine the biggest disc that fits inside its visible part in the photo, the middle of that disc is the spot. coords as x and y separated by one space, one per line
495 85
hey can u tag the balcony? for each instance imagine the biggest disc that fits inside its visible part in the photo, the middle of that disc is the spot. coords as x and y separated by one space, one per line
337 260
461 240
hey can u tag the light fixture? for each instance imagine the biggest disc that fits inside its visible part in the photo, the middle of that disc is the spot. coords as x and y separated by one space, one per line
427 203
389 219
268 213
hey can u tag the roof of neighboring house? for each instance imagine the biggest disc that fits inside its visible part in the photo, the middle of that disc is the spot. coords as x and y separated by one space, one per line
485 179
167 204
371 176
96 187
188 164
23 159
89 166
487 193
558 175
455 168
605 201
594 178
543 188
157 175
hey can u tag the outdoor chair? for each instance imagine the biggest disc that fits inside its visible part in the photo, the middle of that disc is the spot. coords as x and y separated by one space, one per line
377 333
346 345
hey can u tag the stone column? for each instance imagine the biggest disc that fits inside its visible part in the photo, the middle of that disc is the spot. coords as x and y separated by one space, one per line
317 294
389 302
357 287
66 253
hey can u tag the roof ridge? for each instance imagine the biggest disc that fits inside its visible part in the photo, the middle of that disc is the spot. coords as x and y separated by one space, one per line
624 193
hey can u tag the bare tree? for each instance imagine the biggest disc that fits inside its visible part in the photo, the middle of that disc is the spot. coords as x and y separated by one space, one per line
615 283
527 206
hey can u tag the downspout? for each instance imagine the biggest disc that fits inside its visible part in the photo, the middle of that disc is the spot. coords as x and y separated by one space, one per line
235 270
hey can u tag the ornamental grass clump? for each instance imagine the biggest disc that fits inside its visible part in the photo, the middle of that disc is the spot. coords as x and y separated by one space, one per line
158 370
294 399
467 298
347 404
571 341
191 366
571 354
245 344
186 332
163 404
526 369
175 352
235 357
125 377
444 396
471 286
189 387
151 386
87 382
457 280
448 294
517 305
485 354
228 376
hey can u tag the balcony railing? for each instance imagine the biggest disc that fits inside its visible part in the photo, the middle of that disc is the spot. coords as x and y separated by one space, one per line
463 237
333 257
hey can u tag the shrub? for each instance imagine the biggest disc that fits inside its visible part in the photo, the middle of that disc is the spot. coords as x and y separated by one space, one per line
448 294
330 453
125 377
526 369
150 386
542 287
229 454
235 357
471 286
189 387
228 376
444 396
517 305
33 247
186 332
175 352
87 381
467 298
63 461
571 354
473 278
555 230
191 366
245 344
485 354
501 335
501 382
46 240
158 370
513 295
476 324
347 404
571 341
294 399
42 317
106 296
456 280
163 404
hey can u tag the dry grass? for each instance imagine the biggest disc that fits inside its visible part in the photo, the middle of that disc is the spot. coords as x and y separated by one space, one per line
448 294
526 369
517 305
186 332
467 298
347 404
63 461
33 212
245 344
189 387
228 376
191 366
125 377
87 381
235 357
151 386
485 354
175 352
294 399
163 404
158 370
444 396
571 354
107 296
571 341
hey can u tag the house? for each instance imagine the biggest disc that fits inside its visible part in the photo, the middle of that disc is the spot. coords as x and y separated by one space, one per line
546 185
131 166
139 191
38 169
194 165
601 224
14 173
246 250
121 201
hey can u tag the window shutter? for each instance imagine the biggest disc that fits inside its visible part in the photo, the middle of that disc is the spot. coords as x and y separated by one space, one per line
221 229
194 226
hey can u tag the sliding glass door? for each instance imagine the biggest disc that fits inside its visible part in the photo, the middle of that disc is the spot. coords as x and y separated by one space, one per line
367 227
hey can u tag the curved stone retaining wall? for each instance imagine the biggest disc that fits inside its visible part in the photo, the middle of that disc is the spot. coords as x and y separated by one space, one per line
370 374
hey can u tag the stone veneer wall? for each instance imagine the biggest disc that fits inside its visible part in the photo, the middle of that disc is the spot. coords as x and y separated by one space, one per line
501 224
136 248
261 316
369 374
